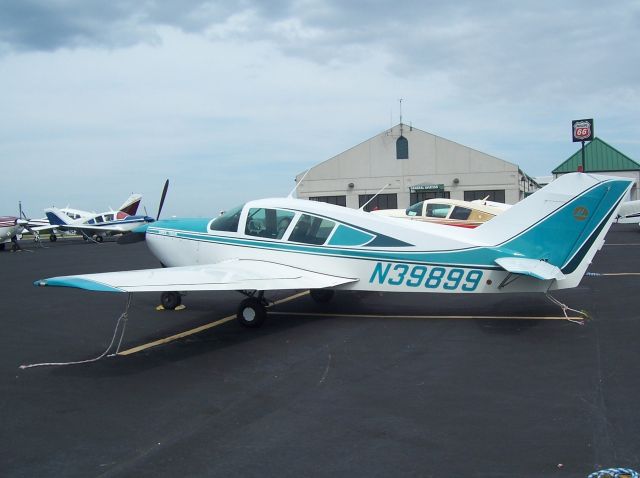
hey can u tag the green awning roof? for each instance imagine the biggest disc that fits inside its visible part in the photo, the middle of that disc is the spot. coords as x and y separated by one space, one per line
598 157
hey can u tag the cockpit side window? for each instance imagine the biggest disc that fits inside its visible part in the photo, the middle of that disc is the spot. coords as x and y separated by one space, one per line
438 210
311 230
460 213
227 221
415 209
270 223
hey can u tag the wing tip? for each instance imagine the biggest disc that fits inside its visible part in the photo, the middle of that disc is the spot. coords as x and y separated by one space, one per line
75 283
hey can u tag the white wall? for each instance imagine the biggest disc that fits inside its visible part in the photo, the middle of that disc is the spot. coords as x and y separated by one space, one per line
432 159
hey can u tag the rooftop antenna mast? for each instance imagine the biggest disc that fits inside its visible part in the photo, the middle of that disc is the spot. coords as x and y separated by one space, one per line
400 100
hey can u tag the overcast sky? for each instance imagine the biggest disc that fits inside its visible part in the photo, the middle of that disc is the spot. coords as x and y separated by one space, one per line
230 100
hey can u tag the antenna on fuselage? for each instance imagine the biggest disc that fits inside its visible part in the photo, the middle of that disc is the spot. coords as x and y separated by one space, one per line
374 196
290 196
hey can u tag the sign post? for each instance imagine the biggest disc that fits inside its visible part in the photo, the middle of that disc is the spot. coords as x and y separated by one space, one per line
582 131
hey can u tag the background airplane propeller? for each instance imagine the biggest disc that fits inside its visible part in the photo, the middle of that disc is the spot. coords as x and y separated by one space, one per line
138 236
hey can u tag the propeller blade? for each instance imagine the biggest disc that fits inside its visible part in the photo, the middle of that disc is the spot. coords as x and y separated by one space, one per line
131 238
164 194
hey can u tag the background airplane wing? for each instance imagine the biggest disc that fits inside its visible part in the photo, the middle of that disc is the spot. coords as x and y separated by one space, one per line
89 228
238 274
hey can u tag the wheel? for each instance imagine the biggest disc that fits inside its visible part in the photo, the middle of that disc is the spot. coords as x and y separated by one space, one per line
99 238
251 313
322 296
170 300
2 246
53 237
14 247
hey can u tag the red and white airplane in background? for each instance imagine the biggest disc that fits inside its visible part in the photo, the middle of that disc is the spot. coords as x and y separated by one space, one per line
59 220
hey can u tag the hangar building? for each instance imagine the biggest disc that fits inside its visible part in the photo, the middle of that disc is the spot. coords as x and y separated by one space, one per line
416 165
602 158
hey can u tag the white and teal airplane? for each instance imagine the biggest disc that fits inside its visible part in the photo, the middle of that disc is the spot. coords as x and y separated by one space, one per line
543 243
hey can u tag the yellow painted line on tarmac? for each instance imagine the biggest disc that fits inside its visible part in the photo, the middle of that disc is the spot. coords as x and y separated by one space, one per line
439 317
197 330
620 274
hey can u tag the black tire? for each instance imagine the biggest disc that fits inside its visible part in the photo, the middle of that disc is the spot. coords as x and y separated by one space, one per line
251 313
14 247
322 296
170 300
2 246
53 237
99 238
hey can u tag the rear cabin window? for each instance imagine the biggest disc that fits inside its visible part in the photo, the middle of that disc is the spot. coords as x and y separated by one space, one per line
271 223
479 215
438 210
227 221
460 213
311 230
415 210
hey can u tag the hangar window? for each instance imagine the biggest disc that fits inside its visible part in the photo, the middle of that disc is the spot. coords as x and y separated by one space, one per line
402 148
271 223
423 195
496 195
381 201
337 200
311 230
227 221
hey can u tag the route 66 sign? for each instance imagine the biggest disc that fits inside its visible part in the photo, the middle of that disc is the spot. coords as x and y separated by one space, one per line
582 130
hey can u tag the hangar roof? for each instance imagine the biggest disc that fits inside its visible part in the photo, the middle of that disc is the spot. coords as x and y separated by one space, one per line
598 157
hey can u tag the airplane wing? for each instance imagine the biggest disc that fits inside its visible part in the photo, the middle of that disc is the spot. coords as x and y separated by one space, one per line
92 228
531 267
237 274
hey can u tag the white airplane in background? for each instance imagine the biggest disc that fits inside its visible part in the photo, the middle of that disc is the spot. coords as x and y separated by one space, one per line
451 212
11 227
629 213
91 224
543 243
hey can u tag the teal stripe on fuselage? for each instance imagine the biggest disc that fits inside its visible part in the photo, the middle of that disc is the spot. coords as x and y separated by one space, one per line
476 257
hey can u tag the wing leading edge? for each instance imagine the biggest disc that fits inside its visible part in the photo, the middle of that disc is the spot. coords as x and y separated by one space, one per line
238 274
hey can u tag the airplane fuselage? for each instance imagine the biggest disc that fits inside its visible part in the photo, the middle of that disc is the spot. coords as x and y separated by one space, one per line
428 258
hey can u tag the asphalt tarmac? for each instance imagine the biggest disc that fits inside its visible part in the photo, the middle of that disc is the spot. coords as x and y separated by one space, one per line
367 385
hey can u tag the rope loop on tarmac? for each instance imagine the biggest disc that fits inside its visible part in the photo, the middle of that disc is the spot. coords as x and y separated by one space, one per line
121 320
565 307
615 473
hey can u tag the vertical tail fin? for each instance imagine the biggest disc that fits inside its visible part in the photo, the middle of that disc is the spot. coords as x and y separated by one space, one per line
563 224
130 206
57 217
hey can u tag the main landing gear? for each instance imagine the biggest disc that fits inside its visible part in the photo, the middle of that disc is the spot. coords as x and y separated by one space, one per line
170 300
252 311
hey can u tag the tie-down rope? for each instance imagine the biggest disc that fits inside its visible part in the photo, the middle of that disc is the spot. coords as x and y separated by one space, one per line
121 320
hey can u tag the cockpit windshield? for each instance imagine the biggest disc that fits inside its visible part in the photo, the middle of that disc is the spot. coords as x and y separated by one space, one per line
227 221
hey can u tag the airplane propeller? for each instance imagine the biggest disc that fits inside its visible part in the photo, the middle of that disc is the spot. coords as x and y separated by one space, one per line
164 195
23 221
134 236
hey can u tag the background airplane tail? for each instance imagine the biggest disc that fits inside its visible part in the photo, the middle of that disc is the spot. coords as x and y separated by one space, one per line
130 206
563 224
56 217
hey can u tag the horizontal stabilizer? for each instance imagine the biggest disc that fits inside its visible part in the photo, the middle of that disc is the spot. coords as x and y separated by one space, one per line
228 275
531 267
